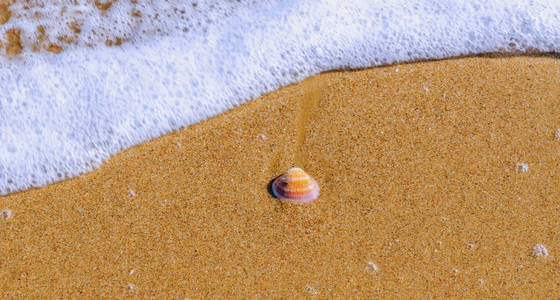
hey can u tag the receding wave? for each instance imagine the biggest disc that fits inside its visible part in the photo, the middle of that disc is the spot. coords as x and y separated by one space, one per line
128 71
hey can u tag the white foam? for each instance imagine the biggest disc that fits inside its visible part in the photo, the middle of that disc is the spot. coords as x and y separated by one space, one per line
62 115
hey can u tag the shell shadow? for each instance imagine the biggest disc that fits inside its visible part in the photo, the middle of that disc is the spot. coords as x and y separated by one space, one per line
269 187
280 205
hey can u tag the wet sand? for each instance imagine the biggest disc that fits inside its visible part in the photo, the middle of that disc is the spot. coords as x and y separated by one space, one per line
437 178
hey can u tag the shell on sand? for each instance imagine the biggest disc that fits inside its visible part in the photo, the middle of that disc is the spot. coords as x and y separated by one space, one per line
295 185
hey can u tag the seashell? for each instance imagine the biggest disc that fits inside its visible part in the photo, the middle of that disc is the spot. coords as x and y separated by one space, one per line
295 185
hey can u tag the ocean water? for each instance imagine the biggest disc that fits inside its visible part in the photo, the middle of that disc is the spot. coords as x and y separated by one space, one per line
135 70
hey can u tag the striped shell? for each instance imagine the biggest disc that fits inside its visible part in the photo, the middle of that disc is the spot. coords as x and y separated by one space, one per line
295 185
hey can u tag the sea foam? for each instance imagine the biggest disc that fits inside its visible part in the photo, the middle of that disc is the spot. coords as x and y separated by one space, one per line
63 114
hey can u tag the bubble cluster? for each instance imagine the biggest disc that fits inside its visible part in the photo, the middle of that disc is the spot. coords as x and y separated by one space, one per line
82 80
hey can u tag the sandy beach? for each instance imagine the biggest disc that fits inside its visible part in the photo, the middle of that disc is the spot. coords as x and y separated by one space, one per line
437 180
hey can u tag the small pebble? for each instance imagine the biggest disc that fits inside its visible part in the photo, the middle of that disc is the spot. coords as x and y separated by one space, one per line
131 193
557 133
311 290
522 167
540 250
372 266
6 213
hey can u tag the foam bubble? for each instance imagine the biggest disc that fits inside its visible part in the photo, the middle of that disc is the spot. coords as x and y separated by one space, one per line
179 63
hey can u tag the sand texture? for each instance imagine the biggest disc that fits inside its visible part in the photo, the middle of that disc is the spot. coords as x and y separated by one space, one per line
444 174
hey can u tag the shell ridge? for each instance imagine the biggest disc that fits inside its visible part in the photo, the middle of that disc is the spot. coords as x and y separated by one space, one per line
295 185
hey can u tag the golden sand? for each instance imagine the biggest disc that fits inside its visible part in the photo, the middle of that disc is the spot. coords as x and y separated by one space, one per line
423 194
